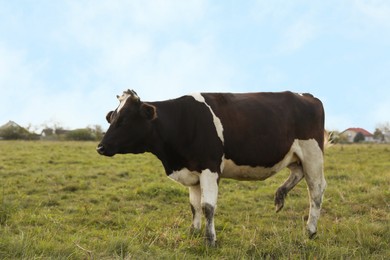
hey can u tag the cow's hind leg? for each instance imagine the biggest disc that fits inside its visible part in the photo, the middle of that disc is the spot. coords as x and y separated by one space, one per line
209 191
314 175
296 175
196 208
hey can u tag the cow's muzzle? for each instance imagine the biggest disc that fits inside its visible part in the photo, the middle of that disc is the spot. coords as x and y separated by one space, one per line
106 150
100 149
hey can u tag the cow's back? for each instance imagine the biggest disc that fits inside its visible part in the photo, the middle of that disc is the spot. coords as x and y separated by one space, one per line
259 128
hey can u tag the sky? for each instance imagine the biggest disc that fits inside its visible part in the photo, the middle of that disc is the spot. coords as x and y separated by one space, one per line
62 63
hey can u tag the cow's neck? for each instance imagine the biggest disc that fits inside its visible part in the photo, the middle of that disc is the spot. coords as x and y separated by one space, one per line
163 135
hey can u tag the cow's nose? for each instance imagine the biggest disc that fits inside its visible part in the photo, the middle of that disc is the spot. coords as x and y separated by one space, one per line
100 149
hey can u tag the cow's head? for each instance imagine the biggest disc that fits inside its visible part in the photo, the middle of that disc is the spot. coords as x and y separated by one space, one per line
130 126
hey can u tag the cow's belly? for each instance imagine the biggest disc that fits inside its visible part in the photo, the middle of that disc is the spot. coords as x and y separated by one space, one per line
244 172
185 177
241 172
247 173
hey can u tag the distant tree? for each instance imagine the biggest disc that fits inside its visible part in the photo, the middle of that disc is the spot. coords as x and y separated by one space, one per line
378 135
97 130
15 132
11 133
384 126
334 136
382 132
52 124
343 139
80 135
359 137
338 138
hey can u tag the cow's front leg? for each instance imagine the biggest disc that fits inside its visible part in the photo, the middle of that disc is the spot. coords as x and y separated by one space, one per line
196 208
209 195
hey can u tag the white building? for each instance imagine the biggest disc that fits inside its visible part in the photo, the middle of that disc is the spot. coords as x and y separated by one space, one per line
351 133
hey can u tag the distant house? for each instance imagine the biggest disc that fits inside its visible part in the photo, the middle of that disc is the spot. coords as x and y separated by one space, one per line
53 134
350 134
47 132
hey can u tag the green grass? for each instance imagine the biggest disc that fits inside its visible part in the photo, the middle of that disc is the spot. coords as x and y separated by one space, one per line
62 200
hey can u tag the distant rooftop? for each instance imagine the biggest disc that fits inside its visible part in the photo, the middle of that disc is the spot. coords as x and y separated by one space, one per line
359 130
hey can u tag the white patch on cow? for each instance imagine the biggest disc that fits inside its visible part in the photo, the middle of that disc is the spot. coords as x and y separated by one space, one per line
195 200
311 153
312 163
249 173
299 151
209 196
122 99
185 177
222 166
209 187
217 122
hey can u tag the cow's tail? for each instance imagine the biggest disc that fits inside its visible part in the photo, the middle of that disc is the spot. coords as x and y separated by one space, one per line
328 139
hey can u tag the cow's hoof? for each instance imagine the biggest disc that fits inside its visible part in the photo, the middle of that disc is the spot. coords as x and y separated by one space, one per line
278 207
312 234
211 243
279 199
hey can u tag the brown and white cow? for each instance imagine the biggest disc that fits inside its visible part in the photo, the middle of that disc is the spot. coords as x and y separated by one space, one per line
203 137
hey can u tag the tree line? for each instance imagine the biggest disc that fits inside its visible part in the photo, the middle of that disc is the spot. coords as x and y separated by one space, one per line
12 131
55 132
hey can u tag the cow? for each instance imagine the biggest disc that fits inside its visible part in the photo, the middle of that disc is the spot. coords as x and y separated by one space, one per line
203 137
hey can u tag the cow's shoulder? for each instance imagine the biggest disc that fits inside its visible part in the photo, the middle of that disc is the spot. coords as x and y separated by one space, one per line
187 136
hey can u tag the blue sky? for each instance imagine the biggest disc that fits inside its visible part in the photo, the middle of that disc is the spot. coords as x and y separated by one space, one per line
63 62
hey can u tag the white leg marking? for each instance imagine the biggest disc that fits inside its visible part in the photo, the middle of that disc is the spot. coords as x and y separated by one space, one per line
314 175
209 190
209 187
195 201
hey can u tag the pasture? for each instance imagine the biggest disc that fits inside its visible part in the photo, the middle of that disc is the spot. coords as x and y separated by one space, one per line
63 200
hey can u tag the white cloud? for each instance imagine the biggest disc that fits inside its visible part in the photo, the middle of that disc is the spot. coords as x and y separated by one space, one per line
118 49
177 68
277 11
183 67
131 52
292 21
19 82
28 99
376 11
381 111
71 70
339 121
274 78
297 35
100 23
162 13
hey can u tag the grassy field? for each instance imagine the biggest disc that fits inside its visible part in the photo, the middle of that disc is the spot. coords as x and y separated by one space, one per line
63 200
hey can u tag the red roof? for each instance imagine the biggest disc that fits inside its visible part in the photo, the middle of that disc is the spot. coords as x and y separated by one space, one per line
359 130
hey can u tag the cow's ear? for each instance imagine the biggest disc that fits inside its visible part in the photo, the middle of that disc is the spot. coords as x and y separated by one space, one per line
148 111
108 116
